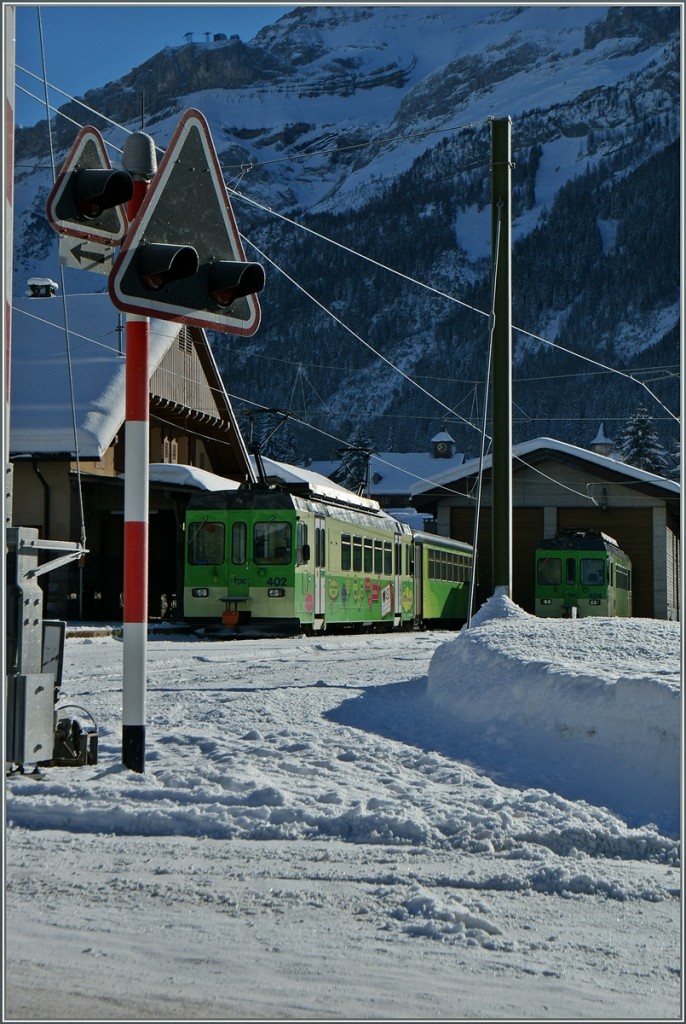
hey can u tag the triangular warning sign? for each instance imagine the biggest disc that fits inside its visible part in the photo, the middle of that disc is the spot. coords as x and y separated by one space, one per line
110 226
186 205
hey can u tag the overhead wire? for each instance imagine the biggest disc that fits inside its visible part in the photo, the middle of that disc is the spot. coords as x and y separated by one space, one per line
452 298
437 291
595 362
356 252
70 368
359 338
290 362
250 165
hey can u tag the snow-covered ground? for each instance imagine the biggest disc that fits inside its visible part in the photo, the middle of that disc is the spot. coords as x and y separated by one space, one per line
430 825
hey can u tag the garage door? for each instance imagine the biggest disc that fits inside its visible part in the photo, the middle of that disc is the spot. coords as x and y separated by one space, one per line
527 531
633 531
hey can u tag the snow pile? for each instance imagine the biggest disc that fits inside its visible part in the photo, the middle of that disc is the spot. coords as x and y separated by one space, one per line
587 707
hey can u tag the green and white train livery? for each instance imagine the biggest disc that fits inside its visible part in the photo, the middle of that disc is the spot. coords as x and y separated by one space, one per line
582 573
268 560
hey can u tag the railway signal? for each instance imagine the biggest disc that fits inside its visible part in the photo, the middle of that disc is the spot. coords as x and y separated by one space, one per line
89 196
182 258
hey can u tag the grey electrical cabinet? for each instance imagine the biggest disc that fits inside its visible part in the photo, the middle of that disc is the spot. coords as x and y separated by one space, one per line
30 718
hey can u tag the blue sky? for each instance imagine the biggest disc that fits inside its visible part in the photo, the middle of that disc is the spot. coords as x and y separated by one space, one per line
88 45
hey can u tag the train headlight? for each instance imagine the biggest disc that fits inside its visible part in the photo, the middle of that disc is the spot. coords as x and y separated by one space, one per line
200 592
594 602
276 592
546 600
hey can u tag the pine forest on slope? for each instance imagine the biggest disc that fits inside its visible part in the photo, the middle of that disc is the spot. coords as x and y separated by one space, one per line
370 126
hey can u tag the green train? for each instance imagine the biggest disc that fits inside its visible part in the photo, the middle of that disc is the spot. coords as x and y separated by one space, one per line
581 573
267 560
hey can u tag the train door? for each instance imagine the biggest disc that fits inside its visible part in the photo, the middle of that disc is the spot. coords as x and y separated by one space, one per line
570 594
416 556
238 582
397 582
319 570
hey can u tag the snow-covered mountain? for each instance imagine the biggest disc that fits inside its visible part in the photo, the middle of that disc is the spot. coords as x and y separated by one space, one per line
370 126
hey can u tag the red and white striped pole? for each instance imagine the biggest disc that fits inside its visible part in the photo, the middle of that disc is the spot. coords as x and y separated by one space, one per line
139 160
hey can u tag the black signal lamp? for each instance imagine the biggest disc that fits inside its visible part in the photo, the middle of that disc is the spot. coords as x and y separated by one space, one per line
158 264
228 281
91 193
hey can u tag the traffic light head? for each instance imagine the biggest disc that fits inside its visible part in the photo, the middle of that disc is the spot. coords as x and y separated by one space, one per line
182 257
89 195
228 281
158 264
169 280
88 199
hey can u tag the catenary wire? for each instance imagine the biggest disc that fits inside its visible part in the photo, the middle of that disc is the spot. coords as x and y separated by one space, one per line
392 270
240 195
70 368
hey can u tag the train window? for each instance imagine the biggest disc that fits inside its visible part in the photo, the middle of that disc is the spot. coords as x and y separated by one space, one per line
378 557
550 571
571 571
321 547
302 555
387 558
623 576
357 554
368 555
238 546
272 543
346 550
206 543
410 559
592 572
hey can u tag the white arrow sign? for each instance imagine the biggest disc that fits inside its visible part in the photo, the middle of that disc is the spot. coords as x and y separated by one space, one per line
83 255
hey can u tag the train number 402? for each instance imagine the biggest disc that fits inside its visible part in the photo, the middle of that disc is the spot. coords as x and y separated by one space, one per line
276 581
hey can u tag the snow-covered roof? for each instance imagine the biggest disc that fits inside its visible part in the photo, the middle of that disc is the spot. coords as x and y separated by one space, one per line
319 485
189 476
550 444
400 472
41 416
443 435
42 282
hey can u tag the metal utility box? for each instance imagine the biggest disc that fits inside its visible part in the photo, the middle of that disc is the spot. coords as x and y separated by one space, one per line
30 718
30 690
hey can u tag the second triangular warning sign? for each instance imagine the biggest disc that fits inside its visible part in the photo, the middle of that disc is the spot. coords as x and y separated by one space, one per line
183 259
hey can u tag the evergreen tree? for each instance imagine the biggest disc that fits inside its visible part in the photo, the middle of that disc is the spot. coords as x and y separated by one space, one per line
674 471
639 445
282 445
355 462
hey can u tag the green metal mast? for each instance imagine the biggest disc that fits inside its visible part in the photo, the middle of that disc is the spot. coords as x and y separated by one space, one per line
501 184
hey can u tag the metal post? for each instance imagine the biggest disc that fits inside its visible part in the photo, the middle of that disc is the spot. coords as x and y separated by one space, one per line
139 160
8 14
501 171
